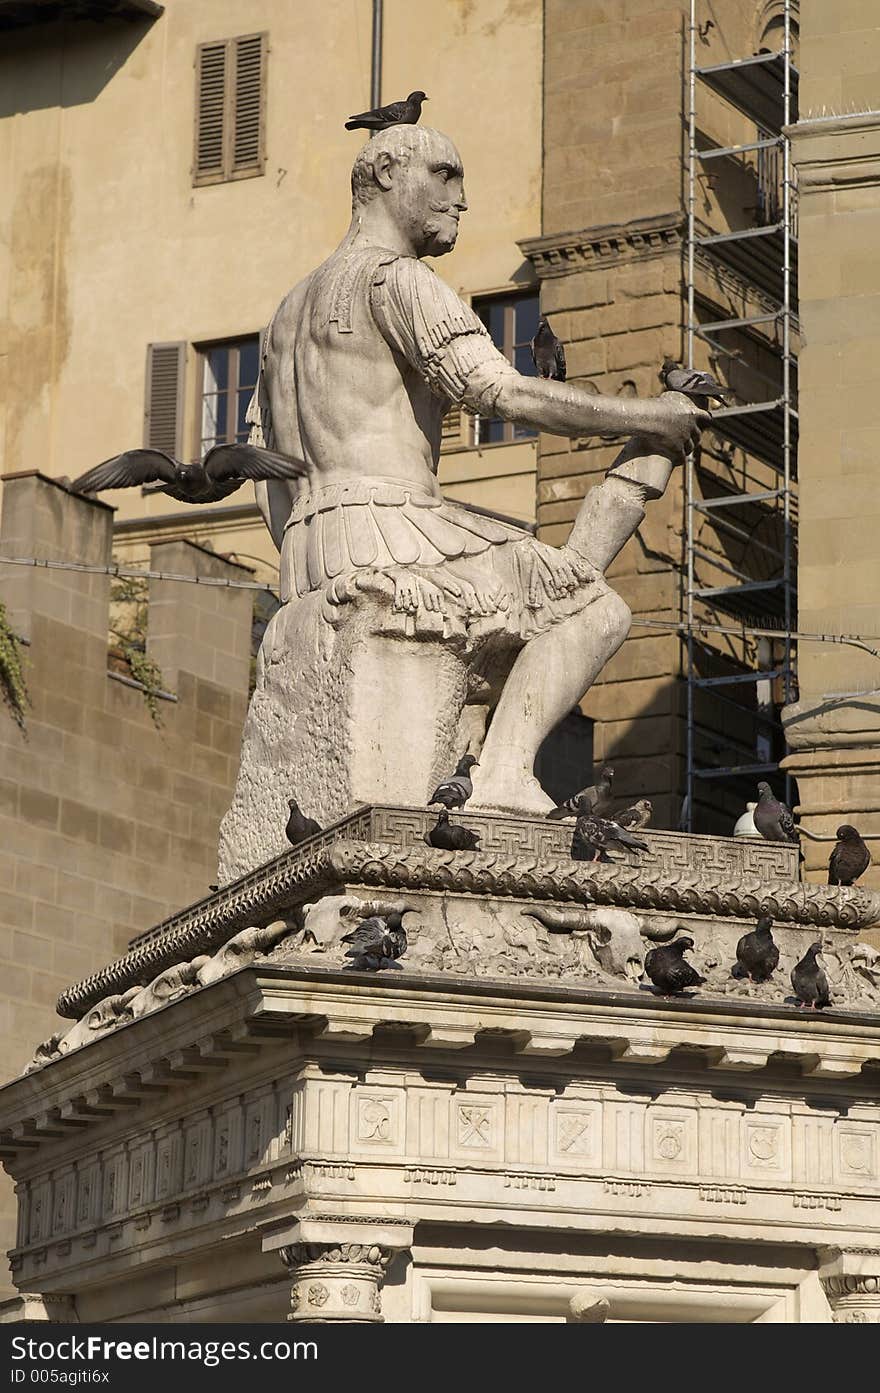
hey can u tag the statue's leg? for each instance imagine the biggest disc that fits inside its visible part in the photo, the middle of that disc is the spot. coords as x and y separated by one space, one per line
549 677
554 670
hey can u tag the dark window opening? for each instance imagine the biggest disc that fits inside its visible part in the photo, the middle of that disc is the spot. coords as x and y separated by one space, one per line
229 376
512 322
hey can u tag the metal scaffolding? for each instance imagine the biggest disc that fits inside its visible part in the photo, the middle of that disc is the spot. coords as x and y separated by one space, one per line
740 500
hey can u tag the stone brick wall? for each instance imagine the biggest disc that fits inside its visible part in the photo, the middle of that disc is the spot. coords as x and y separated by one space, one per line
107 824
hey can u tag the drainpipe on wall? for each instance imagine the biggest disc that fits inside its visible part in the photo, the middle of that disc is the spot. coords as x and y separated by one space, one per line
376 60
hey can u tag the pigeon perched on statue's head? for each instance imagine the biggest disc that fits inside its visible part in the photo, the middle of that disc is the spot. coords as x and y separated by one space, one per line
404 113
808 980
850 857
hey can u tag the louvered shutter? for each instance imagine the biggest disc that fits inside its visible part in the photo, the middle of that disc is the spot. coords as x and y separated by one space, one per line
163 411
211 86
247 106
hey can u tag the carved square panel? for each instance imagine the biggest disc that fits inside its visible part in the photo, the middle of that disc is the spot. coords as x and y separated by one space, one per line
377 1120
671 1140
576 1135
259 1133
766 1146
197 1152
63 1216
87 1185
114 1193
39 1211
227 1142
856 1153
168 1165
140 1175
477 1129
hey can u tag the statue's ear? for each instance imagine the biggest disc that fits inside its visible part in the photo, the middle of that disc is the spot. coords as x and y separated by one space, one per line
382 167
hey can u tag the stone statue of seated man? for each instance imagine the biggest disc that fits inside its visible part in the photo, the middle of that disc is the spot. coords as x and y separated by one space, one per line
408 620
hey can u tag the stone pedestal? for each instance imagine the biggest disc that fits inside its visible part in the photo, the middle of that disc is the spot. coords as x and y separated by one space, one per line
619 1155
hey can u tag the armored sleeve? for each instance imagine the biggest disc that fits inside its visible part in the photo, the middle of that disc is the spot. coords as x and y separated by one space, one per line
438 335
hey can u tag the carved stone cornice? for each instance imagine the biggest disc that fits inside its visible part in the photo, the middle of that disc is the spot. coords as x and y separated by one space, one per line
833 152
520 858
592 248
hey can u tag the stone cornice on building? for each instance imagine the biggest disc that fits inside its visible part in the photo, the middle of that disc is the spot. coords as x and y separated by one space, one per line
592 248
233 1021
833 152
520 858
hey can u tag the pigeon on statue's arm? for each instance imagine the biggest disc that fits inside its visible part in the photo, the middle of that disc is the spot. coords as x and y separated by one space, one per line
548 354
692 383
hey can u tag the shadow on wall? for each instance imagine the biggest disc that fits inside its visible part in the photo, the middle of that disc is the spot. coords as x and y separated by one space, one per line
66 63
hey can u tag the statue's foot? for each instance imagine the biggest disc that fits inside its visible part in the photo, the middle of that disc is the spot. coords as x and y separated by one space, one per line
508 789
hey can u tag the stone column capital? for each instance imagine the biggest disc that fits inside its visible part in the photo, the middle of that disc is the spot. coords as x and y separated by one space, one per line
850 1278
337 1264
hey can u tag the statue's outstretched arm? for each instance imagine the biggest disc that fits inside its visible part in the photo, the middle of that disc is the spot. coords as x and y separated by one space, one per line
669 422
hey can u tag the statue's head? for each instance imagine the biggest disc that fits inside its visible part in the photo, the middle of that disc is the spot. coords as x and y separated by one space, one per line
418 175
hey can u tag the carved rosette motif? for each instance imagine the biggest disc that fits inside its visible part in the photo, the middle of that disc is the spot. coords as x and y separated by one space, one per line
854 1300
335 1282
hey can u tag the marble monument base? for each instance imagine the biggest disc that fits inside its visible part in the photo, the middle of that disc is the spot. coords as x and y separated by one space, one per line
510 1125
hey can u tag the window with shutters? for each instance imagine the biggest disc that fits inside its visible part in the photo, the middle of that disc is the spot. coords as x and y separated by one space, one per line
230 109
228 378
163 408
512 321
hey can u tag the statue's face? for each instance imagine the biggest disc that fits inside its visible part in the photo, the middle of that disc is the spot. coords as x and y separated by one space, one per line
430 197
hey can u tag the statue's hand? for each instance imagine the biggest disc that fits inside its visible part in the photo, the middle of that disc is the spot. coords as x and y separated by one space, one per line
674 421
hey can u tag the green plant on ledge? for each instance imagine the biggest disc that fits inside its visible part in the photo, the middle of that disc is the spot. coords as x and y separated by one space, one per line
12 681
128 648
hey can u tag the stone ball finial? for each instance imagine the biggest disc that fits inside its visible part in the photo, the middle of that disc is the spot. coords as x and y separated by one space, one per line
585 1308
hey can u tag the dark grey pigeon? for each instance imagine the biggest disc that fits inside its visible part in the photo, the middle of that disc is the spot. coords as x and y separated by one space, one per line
598 796
593 837
299 827
223 470
692 383
636 817
757 953
849 859
668 970
773 819
378 941
548 355
448 836
808 981
394 114
455 791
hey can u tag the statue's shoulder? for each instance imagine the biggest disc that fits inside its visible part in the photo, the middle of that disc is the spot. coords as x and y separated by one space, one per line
408 293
